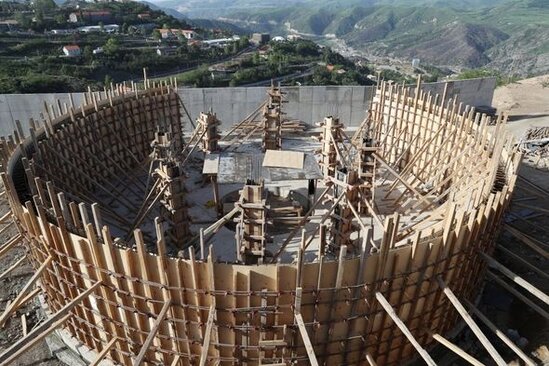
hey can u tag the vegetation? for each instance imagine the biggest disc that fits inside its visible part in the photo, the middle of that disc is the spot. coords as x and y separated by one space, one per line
299 61
483 73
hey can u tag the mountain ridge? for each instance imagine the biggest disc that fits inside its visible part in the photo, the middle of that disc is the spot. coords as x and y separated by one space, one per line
502 34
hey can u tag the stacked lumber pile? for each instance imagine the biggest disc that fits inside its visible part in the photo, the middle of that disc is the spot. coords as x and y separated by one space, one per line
535 144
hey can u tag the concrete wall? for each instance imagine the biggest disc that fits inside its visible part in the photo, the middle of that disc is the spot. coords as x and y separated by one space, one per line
307 103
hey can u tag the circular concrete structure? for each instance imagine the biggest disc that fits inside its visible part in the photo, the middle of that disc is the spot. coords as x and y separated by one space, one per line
438 187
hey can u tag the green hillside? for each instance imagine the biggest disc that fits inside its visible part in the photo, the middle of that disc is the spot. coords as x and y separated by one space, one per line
509 35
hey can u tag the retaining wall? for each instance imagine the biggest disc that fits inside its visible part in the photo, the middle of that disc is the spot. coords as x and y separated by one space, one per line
307 103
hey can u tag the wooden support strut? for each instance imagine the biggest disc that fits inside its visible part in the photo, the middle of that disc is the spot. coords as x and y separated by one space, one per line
389 309
306 340
23 344
471 323
516 278
150 337
19 299
501 335
458 351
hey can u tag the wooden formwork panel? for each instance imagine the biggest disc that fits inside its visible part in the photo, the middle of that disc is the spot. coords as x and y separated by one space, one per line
255 306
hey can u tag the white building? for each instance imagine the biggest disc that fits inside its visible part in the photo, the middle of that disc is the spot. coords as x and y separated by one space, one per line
72 50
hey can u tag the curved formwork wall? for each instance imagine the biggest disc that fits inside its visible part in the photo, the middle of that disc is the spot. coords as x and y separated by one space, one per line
208 312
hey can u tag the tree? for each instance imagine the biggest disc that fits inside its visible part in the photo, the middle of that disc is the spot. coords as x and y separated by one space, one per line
88 53
256 59
125 27
111 47
156 34
24 20
44 6
60 19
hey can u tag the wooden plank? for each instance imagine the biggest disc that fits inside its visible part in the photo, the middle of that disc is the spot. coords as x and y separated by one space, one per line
37 338
10 244
12 267
55 320
517 294
458 351
284 159
389 309
516 278
521 260
150 337
306 340
471 323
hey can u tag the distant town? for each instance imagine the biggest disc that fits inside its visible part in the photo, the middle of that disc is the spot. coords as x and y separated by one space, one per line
78 45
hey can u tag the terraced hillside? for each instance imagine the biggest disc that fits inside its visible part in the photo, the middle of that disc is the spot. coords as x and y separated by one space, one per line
511 36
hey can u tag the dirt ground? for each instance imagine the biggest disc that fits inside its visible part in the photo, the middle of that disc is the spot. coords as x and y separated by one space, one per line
9 288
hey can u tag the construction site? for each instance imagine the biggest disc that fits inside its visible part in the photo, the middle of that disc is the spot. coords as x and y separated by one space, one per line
156 238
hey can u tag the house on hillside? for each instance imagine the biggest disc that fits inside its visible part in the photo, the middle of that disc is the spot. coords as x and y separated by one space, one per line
175 33
260 38
144 16
90 16
72 50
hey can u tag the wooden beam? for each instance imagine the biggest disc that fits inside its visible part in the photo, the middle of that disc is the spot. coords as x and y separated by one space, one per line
525 239
207 336
306 340
13 266
150 337
501 335
103 352
401 179
43 329
22 294
389 309
517 294
471 323
458 351
516 278
10 244
523 261
17 353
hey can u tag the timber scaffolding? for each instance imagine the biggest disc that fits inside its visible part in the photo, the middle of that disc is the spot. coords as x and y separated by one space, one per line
380 291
